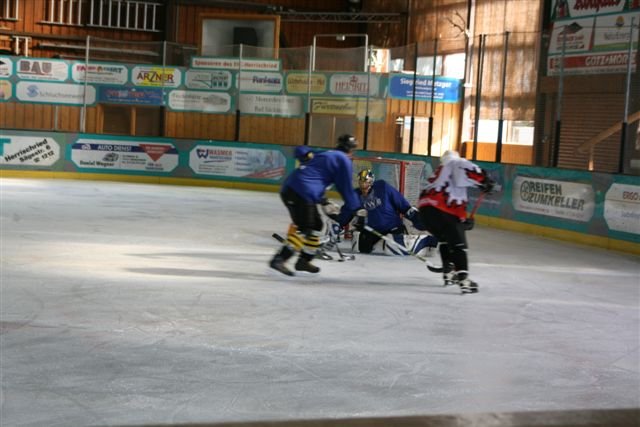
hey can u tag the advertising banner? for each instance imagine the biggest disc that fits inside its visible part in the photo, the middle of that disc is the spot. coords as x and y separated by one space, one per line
42 69
117 155
259 81
234 63
595 36
354 84
272 105
158 76
350 107
126 95
6 67
6 90
237 162
28 150
297 82
113 74
205 102
208 79
56 93
446 89
560 199
622 208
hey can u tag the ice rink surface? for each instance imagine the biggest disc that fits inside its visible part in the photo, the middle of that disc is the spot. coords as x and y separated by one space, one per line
131 304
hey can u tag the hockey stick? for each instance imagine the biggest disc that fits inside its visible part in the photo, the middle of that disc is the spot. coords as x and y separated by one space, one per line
334 241
431 267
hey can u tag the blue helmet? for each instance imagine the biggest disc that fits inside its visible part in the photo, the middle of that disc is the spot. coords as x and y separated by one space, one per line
303 153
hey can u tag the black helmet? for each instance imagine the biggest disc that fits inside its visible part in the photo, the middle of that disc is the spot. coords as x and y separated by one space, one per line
346 143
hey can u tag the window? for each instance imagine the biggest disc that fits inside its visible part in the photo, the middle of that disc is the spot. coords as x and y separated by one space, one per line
9 9
140 15
425 65
66 12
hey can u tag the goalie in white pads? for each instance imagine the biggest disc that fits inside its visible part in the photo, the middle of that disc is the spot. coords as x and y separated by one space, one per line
386 207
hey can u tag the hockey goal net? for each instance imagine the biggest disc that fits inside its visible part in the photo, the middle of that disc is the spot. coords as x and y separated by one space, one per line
407 176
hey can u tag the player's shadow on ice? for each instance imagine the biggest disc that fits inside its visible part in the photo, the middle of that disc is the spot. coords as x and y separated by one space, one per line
268 277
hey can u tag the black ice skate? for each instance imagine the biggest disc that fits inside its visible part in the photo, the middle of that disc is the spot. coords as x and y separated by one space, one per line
468 286
449 275
277 262
304 264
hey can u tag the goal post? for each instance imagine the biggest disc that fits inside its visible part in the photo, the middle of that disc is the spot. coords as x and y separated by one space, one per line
407 176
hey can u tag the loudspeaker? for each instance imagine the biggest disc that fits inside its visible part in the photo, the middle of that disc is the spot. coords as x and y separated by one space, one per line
245 35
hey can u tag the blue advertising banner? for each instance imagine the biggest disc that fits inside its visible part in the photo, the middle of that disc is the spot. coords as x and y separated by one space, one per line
446 89
126 95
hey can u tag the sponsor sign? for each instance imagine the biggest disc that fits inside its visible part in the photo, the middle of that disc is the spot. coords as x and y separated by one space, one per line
614 31
297 83
6 90
209 80
206 102
577 36
622 208
446 89
28 150
42 69
273 105
156 76
109 154
350 107
595 42
256 81
56 93
234 63
591 63
6 67
125 95
354 84
577 8
560 199
237 162
100 73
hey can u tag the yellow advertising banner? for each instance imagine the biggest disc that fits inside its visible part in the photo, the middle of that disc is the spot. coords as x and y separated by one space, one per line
350 107
297 83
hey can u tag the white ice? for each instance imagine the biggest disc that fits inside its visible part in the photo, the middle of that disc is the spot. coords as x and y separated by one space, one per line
129 303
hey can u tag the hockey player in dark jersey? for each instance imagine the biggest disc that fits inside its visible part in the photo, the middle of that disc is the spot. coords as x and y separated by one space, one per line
443 210
385 208
302 191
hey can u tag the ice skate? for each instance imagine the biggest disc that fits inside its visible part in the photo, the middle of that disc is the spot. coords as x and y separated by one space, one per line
304 264
468 286
449 275
278 261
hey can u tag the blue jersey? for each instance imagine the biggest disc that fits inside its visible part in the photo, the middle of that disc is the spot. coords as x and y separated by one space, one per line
384 204
313 177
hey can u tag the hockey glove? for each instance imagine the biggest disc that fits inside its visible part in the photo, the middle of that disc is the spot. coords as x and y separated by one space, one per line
488 184
330 208
411 213
413 216
468 224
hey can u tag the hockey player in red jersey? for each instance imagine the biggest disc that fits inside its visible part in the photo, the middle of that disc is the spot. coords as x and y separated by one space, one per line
443 210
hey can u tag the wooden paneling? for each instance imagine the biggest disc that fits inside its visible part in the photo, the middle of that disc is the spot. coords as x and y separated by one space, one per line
511 153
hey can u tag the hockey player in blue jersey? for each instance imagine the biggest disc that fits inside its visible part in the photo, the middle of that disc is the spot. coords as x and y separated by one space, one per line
303 190
385 208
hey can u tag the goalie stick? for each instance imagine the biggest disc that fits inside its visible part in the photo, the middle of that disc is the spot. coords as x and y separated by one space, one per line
322 255
430 266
